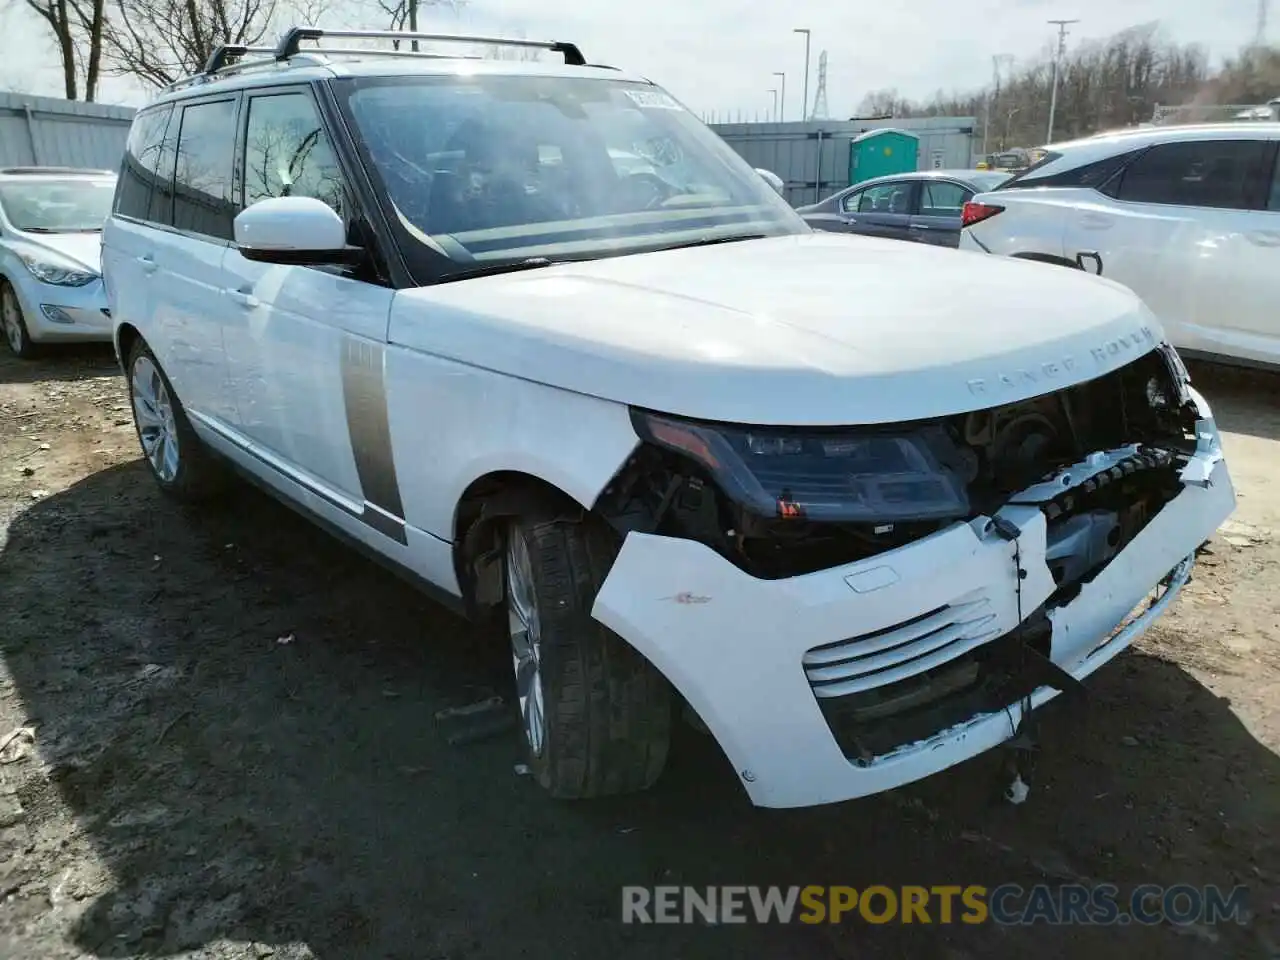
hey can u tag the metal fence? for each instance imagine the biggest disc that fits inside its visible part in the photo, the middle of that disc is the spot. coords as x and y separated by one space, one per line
46 131
812 157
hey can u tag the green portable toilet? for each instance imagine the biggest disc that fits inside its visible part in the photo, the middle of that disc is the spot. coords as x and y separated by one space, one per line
878 153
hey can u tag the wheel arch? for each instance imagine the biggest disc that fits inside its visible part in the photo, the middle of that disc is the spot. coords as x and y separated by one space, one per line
487 503
124 337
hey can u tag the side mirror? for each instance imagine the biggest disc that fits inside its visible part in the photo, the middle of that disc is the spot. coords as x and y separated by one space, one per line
772 179
301 231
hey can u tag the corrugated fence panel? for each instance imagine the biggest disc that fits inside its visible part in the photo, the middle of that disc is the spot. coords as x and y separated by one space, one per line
48 132
812 158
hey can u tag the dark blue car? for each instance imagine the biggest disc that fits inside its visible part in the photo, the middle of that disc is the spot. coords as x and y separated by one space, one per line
923 206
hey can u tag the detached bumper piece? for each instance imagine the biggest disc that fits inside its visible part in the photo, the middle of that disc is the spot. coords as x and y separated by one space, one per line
865 676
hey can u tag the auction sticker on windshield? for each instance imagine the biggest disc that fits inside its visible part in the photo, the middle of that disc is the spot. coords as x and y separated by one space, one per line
653 99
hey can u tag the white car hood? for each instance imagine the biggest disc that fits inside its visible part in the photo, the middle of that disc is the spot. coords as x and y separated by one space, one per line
815 329
82 249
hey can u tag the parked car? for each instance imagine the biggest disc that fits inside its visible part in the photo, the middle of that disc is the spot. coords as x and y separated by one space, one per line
685 451
923 206
50 233
1186 217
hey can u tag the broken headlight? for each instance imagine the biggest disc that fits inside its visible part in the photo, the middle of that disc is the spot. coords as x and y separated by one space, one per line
844 475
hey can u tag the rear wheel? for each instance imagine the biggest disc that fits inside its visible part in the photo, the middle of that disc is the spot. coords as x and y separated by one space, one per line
178 460
596 715
16 334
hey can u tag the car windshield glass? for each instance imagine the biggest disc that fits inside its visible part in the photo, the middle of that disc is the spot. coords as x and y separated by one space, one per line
57 206
486 169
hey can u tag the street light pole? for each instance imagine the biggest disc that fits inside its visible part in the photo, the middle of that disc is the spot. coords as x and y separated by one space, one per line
1057 59
774 115
804 106
782 98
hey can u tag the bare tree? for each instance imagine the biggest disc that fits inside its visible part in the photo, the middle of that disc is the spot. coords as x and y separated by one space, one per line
403 14
160 41
77 28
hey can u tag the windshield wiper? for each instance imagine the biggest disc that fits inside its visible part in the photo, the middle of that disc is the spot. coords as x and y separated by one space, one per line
708 241
492 269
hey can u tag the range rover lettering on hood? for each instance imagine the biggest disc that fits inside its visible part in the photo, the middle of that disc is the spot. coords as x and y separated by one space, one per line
1105 357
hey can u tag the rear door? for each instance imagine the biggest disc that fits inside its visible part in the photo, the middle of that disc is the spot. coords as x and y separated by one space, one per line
881 209
129 236
190 308
1185 227
937 216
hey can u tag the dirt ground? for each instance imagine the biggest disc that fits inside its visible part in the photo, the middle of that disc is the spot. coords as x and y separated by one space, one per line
178 780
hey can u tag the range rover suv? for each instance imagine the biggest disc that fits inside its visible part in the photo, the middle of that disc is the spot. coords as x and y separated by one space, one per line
695 459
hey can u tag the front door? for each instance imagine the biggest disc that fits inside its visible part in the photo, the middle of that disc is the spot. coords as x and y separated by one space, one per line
304 344
881 210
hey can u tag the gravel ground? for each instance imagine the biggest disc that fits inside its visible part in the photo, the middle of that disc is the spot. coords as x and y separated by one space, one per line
217 740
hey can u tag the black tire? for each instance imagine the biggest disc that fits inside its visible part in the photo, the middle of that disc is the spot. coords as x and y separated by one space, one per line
17 338
607 710
198 476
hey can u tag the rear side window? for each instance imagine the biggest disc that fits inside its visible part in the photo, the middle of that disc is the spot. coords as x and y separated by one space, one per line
1226 174
941 199
287 153
1274 202
140 171
1097 175
202 200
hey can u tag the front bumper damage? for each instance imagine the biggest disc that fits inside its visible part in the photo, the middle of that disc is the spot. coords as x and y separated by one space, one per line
764 662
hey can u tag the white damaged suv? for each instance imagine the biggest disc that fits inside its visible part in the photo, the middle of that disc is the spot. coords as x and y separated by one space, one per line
858 505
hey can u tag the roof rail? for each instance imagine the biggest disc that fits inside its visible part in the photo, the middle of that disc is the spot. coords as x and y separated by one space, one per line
291 43
228 53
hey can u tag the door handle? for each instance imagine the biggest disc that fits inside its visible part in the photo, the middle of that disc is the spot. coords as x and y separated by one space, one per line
245 298
850 220
147 262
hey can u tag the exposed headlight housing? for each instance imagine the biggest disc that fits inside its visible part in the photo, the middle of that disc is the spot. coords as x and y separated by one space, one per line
868 475
59 275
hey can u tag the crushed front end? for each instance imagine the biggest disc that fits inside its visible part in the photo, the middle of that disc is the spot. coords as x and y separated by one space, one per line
852 609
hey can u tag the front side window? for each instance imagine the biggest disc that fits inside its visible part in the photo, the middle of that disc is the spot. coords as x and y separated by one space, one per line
57 206
139 173
288 154
942 199
1200 173
203 167
503 169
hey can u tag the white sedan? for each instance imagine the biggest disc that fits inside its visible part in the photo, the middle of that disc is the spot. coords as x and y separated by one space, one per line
50 253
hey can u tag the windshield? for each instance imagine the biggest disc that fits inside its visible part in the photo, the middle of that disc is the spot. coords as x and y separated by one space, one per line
493 169
57 206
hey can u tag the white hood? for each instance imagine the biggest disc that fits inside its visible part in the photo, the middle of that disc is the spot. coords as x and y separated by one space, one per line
804 330
82 249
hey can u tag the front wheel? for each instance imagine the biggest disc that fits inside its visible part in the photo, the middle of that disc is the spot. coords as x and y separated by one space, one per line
596 715
178 460
16 334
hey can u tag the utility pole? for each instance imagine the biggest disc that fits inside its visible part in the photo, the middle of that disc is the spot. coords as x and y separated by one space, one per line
804 105
1057 59
774 115
1260 35
782 98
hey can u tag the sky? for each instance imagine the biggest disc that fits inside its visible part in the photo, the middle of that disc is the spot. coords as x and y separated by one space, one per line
719 55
